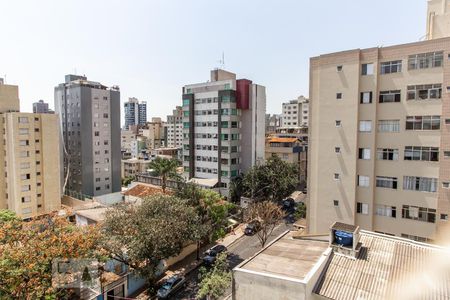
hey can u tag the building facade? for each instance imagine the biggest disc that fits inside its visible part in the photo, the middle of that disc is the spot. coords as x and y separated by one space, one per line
135 112
90 122
273 122
173 129
41 107
438 19
154 133
28 158
379 153
295 113
223 127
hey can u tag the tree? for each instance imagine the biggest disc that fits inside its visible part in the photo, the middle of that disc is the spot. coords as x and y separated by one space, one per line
142 236
164 168
127 180
212 208
268 214
7 216
236 189
274 180
27 250
214 282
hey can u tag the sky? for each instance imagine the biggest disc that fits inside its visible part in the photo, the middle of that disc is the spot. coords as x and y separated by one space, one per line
152 48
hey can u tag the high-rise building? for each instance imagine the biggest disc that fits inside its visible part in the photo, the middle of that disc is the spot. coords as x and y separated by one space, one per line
379 153
135 112
295 113
223 128
41 107
438 19
273 122
29 158
90 122
173 129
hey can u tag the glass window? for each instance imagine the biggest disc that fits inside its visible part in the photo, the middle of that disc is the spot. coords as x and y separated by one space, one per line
422 184
365 98
364 153
389 96
386 182
423 122
365 126
367 69
389 126
363 181
391 67
386 211
423 214
421 153
387 154
425 60
362 208
424 92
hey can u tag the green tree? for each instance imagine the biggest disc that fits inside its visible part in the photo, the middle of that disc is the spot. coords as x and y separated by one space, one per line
127 180
274 180
236 189
27 250
142 236
165 168
7 216
213 283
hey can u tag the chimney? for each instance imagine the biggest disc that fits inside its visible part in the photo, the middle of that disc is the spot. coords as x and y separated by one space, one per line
344 239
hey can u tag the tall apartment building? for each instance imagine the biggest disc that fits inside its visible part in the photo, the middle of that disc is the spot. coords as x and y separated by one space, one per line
438 19
41 107
135 112
29 158
295 113
173 129
90 123
223 127
379 154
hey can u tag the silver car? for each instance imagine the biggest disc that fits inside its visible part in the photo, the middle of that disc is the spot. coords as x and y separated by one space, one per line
171 285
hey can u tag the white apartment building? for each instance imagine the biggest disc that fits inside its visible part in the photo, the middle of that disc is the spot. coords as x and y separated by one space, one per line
295 113
223 128
173 129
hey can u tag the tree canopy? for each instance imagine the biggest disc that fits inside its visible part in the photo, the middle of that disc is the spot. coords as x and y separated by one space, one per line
142 236
27 250
215 281
165 168
268 215
274 180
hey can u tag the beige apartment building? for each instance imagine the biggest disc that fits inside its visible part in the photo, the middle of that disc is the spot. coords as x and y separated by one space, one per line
438 19
379 153
28 158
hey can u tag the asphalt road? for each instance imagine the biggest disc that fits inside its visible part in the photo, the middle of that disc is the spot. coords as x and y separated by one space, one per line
242 249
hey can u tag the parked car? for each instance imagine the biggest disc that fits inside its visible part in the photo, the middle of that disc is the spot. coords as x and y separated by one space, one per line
288 204
171 285
252 228
210 255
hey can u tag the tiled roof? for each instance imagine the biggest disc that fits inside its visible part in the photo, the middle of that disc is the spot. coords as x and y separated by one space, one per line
387 268
143 190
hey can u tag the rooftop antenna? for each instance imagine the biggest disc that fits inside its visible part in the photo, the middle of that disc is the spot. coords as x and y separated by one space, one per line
222 61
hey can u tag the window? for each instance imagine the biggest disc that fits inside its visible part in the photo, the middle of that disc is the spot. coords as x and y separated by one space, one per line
25 165
337 149
185 102
389 126
363 181
26 199
421 184
336 202
391 67
364 153
421 153
24 153
365 98
338 96
25 176
447 121
446 185
386 182
424 92
423 122
25 188
444 217
339 68
417 238
387 154
386 211
367 69
336 176
365 126
23 120
423 214
389 96
24 143
23 131
362 208
446 154
425 60
227 86
26 210
338 123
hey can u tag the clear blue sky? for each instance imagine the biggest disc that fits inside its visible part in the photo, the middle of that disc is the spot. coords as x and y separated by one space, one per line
152 48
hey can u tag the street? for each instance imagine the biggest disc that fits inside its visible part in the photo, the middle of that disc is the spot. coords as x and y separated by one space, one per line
242 249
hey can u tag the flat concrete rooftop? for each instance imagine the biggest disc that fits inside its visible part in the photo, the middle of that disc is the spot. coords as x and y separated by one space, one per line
287 257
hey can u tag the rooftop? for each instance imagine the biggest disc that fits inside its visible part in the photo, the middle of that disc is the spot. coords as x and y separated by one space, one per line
283 140
283 258
142 190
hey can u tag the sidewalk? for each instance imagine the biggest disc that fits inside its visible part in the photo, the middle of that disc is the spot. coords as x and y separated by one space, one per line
190 263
